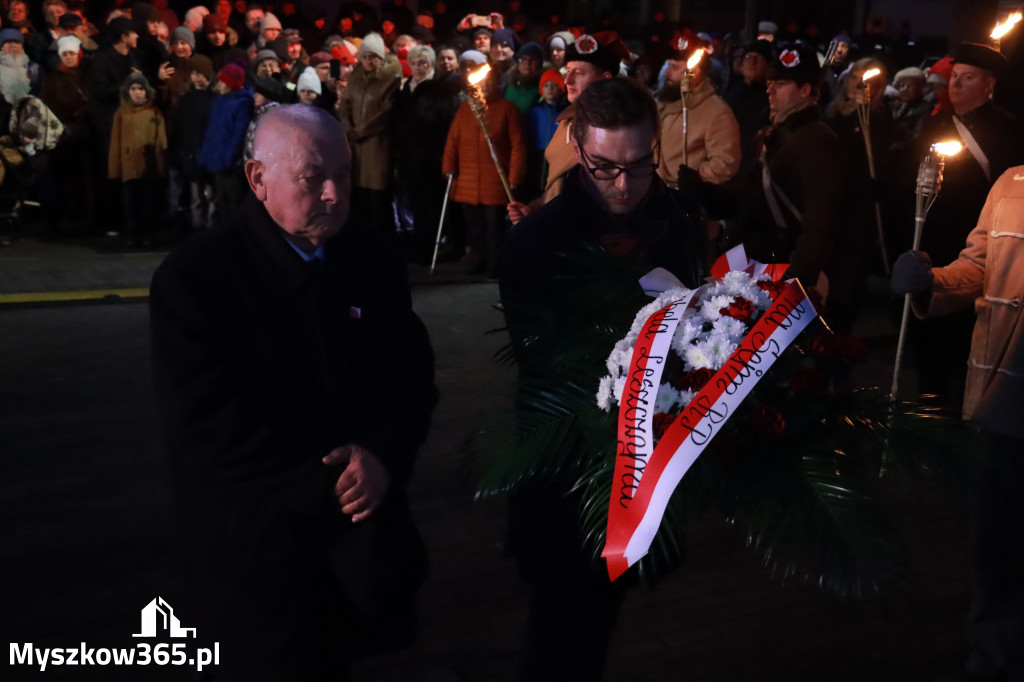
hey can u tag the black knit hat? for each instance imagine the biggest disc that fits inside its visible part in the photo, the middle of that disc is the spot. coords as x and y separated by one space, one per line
604 49
981 56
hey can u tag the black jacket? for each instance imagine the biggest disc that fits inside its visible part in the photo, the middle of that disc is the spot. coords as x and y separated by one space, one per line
263 364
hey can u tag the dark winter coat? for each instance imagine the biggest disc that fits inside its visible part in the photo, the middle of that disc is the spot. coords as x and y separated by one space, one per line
263 364
188 131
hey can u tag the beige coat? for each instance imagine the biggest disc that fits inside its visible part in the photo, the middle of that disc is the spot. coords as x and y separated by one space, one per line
559 154
138 143
989 274
713 137
368 112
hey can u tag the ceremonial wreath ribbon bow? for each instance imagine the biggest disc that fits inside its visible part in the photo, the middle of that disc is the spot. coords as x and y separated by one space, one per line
646 474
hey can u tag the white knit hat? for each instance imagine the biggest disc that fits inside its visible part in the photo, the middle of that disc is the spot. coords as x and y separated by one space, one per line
308 80
269 21
372 44
68 43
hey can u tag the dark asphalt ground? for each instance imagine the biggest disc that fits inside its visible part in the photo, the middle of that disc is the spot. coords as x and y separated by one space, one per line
86 514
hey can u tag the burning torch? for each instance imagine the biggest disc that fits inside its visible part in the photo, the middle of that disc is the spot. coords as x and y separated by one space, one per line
479 106
686 89
864 116
929 182
1002 29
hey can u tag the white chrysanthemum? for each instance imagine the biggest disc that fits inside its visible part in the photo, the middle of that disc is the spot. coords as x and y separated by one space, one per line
618 386
604 394
689 330
618 361
686 397
718 349
739 283
696 356
711 309
729 327
667 398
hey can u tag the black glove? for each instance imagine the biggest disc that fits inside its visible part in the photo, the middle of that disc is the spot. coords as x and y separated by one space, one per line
912 273
689 180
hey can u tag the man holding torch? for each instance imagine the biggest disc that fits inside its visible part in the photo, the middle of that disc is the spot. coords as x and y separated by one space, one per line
710 143
988 279
992 141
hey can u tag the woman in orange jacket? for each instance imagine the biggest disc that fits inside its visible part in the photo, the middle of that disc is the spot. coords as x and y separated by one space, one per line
477 185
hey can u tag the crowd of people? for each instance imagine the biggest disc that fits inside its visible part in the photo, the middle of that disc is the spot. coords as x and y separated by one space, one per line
164 107
805 150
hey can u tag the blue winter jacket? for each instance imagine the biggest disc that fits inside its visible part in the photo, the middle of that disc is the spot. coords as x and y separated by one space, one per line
225 133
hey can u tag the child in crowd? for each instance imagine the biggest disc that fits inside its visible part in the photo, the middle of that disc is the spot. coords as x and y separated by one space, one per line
221 153
309 87
541 123
138 143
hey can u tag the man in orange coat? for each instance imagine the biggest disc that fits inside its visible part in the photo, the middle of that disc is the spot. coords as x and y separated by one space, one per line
477 186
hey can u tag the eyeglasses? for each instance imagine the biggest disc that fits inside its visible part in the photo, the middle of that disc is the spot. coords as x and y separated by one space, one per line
610 171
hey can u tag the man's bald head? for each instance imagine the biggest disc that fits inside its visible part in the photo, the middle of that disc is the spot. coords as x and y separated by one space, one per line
301 171
281 123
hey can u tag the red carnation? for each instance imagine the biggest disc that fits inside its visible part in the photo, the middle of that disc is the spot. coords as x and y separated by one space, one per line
740 308
661 423
774 289
766 421
697 378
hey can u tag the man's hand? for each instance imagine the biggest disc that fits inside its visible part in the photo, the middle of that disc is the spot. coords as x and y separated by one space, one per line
517 211
363 484
912 273
165 71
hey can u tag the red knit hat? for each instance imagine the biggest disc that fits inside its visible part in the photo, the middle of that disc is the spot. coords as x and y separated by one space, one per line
553 76
212 23
232 76
343 54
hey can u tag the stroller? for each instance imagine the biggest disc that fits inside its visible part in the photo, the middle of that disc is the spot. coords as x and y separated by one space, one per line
24 156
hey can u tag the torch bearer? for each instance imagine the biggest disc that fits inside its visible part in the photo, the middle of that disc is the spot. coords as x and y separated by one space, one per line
1002 29
686 89
864 116
929 182
479 107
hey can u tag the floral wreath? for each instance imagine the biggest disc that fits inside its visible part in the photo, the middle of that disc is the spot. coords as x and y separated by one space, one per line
789 58
586 44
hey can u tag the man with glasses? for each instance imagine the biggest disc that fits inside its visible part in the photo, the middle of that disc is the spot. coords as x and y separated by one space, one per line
612 202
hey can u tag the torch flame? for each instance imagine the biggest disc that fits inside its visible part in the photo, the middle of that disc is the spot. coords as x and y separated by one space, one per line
947 148
694 60
478 75
1001 29
869 74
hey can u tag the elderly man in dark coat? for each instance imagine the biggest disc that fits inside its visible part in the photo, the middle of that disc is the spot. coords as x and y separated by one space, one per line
295 384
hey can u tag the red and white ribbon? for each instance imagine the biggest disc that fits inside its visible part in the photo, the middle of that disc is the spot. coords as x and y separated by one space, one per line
644 482
736 259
